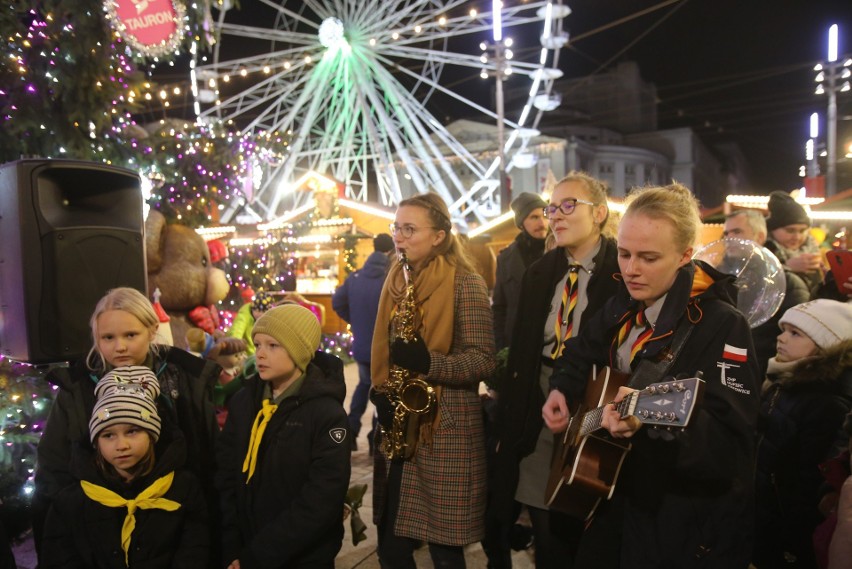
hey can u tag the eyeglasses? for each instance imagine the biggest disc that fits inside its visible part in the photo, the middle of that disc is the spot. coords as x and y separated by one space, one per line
567 207
406 230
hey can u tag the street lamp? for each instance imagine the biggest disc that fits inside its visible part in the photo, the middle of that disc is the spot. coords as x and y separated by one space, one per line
501 54
832 78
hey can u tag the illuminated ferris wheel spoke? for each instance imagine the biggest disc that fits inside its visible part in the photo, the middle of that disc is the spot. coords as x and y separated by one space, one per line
348 83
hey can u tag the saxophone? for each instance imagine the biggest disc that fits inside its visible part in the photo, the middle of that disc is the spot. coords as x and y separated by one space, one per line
412 398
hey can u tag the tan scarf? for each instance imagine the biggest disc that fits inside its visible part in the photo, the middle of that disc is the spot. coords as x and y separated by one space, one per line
434 290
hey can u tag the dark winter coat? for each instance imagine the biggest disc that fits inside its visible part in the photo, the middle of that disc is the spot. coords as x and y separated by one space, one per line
688 501
186 391
357 302
802 413
512 262
520 401
81 533
290 514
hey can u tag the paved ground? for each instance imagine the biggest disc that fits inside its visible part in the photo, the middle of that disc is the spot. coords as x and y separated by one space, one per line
362 556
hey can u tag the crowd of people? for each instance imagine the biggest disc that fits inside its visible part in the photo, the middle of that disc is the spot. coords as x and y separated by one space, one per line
134 470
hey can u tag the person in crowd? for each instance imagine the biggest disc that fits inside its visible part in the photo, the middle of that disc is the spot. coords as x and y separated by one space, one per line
135 504
123 327
247 315
558 295
437 495
230 354
512 261
840 546
807 397
749 224
790 240
283 454
684 497
357 301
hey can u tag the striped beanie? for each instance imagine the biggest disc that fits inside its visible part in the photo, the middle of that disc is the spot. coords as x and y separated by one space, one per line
294 327
126 395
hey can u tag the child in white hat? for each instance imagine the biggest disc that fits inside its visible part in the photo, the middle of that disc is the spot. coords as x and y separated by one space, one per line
134 505
803 409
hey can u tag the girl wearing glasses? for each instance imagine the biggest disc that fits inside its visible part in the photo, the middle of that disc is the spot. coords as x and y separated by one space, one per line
438 495
558 294
684 497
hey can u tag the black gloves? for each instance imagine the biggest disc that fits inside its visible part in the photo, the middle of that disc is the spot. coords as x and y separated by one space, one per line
412 355
384 408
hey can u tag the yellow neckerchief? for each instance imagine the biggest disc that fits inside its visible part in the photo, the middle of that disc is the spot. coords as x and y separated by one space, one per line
149 498
257 430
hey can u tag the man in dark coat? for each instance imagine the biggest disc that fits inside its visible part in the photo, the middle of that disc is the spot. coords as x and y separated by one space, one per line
512 261
357 301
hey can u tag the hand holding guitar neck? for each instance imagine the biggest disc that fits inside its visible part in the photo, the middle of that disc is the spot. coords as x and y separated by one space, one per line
612 420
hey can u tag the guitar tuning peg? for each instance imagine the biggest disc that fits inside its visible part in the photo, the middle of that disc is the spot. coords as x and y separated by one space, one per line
679 386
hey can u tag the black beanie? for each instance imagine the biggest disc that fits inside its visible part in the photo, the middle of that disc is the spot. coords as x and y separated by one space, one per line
382 243
784 211
523 205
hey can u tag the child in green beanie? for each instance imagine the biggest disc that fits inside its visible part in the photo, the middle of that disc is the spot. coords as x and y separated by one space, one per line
284 452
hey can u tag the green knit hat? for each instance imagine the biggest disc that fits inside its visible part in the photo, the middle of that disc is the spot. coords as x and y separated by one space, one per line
294 327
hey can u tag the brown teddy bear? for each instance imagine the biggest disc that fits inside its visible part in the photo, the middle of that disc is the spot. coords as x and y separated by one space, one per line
179 265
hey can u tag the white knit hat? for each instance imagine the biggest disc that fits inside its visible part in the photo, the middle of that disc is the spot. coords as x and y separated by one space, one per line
826 322
126 395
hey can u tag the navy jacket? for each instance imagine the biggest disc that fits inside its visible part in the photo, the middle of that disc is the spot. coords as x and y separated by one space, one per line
520 400
357 302
290 514
692 492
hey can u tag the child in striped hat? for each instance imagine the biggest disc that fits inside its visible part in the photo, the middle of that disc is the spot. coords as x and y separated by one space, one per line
134 505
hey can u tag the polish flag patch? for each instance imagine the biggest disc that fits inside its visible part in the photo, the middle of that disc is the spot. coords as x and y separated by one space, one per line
735 354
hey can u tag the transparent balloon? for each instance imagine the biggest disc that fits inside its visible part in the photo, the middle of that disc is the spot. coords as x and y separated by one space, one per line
760 276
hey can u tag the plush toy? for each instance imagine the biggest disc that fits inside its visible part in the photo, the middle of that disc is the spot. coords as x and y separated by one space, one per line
179 265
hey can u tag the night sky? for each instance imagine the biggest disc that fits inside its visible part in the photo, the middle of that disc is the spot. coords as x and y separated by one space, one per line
733 70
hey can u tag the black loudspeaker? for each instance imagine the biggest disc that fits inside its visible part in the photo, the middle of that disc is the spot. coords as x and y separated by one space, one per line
69 232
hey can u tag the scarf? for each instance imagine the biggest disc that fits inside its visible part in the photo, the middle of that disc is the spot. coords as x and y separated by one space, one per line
149 498
257 429
434 294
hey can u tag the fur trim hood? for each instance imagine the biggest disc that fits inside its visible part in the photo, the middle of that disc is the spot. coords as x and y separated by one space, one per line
831 369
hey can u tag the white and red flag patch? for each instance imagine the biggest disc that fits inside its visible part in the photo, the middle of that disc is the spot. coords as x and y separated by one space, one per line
735 354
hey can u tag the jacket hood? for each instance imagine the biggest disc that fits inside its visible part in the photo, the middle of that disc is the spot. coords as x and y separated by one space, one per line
831 369
323 378
376 265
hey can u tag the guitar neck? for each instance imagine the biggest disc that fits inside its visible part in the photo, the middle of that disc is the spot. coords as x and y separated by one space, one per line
669 404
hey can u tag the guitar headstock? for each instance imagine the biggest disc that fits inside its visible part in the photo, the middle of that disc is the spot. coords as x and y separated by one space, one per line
666 404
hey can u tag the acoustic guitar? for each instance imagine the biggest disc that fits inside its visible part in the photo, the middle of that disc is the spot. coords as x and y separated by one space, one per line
587 460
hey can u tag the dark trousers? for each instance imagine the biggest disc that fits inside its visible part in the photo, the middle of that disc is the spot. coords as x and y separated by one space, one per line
556 538
398 552
360 397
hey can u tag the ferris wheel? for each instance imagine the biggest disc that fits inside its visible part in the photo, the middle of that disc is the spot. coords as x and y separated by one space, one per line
352 86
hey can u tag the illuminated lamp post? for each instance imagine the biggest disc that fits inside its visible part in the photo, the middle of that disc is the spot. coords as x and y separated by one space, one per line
832 78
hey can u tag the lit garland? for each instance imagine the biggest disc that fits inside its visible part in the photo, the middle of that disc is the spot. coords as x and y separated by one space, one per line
25 399
349 254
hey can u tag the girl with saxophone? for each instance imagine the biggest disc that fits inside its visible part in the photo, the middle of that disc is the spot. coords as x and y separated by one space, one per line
432 346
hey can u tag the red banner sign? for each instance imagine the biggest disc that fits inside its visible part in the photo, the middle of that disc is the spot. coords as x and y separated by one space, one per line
151 26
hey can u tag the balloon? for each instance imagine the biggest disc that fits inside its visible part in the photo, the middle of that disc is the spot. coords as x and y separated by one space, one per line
760 277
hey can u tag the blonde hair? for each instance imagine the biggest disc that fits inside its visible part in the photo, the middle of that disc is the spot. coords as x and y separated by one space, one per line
439 215
674 203
127 300
597 190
